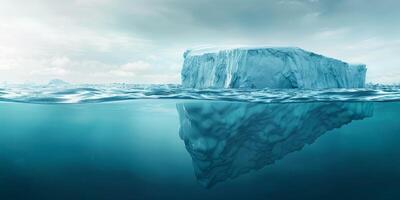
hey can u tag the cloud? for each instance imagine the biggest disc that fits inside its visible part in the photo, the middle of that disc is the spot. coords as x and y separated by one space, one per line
143 40
50 71
132 69
332 33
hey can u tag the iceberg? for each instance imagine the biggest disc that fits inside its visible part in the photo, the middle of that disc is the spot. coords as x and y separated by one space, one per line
267 67
229 139
57 82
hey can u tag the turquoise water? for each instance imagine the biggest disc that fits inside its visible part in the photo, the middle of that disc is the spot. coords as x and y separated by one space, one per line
190 149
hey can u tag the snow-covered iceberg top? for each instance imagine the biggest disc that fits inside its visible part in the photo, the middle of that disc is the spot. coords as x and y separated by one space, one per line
267 67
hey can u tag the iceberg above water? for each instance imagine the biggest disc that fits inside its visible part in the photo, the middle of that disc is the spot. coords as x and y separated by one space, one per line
57 82
226 140
268 67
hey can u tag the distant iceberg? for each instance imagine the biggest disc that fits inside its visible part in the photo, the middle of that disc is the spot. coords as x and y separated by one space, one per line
228 139
57 82
268 67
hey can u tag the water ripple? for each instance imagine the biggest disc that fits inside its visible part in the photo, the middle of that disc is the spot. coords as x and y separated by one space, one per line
51 94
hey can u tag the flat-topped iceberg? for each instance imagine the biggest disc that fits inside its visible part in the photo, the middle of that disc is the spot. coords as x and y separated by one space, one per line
268 67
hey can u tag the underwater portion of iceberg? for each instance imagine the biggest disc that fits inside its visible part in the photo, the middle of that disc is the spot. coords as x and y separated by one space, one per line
226 139
267 67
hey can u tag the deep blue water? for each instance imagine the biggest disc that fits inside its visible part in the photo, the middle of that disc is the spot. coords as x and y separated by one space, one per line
189 149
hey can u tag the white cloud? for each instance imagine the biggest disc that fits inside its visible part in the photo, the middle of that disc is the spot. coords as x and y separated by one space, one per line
332 33
50 71
36 50
143 41
60 61
92 2
137 66
132 69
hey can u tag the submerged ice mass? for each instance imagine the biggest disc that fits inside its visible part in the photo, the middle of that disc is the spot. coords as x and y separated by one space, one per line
226 139
267 67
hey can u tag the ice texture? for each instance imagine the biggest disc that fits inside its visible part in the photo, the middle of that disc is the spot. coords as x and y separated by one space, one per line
227 139
268 67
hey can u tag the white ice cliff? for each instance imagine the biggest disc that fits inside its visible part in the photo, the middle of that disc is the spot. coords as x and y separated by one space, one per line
227 139
267 67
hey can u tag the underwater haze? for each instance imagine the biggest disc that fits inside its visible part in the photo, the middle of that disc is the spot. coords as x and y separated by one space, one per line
162 142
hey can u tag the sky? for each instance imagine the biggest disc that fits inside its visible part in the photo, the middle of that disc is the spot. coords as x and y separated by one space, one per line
142 41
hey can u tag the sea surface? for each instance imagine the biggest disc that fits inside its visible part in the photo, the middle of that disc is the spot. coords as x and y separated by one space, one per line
122 142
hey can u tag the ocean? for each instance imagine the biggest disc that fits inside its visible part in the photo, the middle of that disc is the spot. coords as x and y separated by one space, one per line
165 142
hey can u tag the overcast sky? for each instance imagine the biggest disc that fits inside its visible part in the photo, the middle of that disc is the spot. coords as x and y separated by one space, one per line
142 41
